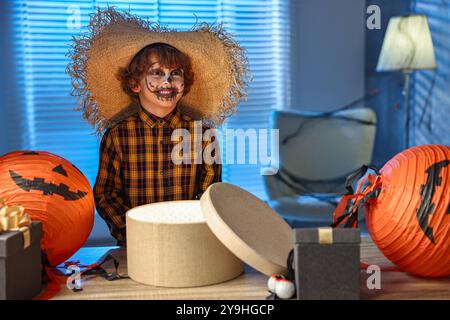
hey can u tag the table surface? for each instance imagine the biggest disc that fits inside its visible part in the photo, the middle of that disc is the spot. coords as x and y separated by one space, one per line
251 285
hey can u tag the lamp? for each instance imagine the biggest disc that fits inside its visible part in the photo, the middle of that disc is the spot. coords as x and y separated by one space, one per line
407 47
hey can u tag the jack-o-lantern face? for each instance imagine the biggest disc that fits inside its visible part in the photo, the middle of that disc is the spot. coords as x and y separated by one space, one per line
407 209
427 206
409 220
51 190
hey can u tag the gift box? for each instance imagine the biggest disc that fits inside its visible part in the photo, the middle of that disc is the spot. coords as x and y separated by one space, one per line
20 263
192 243
327 263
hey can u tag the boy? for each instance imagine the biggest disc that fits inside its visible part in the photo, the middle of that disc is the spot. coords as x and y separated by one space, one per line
135 155
135 82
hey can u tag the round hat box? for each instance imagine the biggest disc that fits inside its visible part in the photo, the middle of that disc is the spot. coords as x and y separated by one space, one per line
169 244
202 242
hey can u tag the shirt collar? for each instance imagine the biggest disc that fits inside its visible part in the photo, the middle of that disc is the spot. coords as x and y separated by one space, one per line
172 119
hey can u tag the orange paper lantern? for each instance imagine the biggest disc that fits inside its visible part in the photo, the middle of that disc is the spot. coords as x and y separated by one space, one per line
408 212
52 191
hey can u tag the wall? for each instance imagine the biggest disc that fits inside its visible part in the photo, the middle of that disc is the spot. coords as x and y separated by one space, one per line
334 60
327 53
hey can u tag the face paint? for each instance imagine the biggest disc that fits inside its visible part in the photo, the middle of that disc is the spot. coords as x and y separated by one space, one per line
166 84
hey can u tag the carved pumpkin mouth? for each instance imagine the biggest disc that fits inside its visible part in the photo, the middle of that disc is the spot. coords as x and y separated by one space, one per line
427 207
47 188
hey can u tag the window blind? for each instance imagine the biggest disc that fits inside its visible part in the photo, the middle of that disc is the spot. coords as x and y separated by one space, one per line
43 33
431 95
263 28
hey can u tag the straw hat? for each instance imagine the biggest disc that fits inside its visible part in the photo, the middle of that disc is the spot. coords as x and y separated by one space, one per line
219 64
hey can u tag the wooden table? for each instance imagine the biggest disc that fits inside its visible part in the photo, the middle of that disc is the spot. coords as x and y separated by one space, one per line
251 285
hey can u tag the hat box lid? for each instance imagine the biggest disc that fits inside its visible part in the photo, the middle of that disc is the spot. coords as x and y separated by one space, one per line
248 227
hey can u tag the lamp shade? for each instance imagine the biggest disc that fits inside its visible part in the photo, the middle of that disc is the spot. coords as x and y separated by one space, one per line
407 45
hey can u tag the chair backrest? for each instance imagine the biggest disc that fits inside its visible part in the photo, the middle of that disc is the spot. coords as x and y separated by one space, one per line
324 148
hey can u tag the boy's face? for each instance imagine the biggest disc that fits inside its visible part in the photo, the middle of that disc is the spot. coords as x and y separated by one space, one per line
161 88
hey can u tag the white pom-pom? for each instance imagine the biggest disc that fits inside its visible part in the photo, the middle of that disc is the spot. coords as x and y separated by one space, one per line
273 280
285 289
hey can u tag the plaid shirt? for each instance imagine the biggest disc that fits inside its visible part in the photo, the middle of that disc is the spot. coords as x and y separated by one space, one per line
135 167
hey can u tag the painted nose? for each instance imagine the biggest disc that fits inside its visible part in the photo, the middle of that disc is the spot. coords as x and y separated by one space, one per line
168 79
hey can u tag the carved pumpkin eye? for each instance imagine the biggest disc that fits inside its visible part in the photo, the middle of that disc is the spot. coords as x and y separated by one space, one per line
59 169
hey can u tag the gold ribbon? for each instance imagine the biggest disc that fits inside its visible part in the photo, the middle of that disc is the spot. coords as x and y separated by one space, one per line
14 218
326 235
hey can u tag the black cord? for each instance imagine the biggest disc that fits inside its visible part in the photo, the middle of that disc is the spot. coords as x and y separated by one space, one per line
324 116
303 190
329 114
427 100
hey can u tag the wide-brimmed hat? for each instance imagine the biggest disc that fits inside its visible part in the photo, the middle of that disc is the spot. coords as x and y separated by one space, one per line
220 67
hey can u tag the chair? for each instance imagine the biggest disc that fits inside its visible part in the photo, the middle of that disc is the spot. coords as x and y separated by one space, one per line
317 152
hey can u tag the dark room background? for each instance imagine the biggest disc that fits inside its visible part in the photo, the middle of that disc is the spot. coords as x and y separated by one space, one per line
314 55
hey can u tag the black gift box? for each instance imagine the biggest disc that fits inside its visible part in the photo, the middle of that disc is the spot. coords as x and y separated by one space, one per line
327 263
20 268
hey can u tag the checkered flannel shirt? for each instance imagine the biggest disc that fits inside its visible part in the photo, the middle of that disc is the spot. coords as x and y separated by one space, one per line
135 167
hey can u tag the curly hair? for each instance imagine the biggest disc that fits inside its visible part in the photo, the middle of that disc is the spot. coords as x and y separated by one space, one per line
169 57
